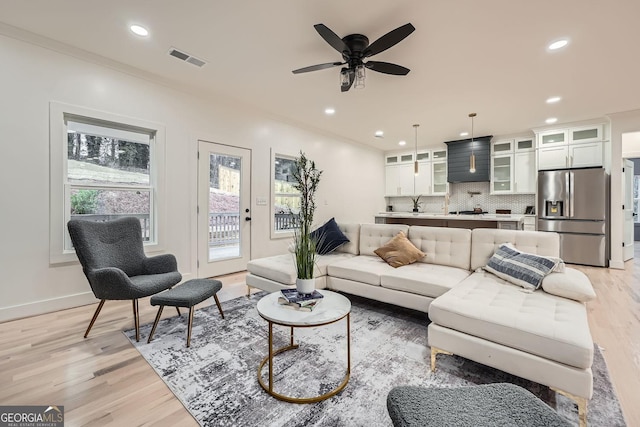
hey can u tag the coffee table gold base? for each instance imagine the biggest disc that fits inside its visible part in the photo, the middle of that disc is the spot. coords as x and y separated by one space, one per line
269 358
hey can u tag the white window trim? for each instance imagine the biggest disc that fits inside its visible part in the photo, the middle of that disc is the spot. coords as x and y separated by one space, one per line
58 204
277 234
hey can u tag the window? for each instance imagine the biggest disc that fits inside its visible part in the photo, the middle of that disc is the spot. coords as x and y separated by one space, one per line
102 168
285 198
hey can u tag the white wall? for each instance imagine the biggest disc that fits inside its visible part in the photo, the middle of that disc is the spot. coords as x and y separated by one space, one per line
351 189
621 123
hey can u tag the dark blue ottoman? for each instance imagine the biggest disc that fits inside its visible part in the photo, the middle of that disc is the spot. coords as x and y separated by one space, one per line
186 295
490 405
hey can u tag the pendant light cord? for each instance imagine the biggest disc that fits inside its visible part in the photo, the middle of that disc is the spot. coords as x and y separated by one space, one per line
415 163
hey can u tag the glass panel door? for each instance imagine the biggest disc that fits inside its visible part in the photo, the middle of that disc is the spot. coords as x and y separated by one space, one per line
223 209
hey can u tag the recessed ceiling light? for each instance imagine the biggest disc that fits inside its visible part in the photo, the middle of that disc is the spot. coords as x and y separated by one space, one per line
553 99
329 111
558 44
141 31
402 143
464 133
379 134
551 120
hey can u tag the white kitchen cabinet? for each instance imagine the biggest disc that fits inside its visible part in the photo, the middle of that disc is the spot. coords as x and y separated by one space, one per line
439 177
577 147
552 138
529 223
423 181
585 134
524 144
556 157
502 174
399 180
571 156
524 175
513 166
502 147
585 155
398 158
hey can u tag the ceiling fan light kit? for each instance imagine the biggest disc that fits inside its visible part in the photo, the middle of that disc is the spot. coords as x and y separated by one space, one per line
355 48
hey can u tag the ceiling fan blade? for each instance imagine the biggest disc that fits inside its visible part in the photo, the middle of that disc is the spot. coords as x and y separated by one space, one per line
352 78
317 67
387 68
388 40
332 38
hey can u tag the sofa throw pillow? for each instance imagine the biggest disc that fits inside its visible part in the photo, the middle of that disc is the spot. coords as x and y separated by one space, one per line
571 283
328 237
521 268
399 251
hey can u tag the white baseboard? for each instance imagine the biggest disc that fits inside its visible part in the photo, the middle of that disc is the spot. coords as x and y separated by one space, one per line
46 306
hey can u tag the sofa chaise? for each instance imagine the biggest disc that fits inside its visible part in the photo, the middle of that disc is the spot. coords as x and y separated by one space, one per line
537 335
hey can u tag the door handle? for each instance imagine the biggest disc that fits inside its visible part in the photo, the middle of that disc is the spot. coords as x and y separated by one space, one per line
247 218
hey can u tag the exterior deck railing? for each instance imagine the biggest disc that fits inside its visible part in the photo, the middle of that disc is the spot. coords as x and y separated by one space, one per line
286 221
145 221
224 227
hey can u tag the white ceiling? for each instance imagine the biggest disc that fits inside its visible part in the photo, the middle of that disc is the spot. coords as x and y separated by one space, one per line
487 57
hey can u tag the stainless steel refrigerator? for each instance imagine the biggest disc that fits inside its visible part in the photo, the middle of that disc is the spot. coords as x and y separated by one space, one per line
575 204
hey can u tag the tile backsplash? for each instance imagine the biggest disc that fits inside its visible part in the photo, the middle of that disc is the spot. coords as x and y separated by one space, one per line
461 200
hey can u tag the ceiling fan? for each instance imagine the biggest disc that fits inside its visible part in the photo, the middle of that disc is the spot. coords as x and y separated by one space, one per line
355 48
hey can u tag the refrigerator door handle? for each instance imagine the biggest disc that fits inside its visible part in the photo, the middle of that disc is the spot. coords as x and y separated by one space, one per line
571 194
567 196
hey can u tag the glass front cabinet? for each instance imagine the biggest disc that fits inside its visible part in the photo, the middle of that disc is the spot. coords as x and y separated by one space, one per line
513 166
439 172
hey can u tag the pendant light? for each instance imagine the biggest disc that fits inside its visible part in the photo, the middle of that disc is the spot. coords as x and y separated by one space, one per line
472 159
415 163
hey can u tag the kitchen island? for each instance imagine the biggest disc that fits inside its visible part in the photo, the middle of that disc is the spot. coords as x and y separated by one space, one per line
502 221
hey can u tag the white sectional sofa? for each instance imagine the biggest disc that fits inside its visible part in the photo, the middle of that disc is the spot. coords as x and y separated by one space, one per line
535 335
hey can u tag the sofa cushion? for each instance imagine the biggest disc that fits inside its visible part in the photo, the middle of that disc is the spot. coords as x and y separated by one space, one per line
328 237
487 307
399 251
571 283
521 268
363 268
430 280
372 236
443 245
282 269
485 241
352 231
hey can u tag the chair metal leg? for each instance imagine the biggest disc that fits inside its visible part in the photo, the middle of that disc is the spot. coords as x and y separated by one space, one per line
215 297
136 319
155 323
189 328
177 308
95 316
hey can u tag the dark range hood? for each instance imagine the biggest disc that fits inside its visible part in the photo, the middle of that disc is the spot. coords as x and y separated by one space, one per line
458 155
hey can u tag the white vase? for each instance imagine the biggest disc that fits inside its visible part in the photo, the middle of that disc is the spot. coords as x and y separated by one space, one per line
305 286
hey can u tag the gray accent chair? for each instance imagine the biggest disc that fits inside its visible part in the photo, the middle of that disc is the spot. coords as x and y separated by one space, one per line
113 260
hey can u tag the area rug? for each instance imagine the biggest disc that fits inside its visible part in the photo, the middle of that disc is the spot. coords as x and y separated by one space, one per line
216 378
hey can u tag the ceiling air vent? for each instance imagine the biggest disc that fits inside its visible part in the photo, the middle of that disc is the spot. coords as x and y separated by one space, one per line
186 57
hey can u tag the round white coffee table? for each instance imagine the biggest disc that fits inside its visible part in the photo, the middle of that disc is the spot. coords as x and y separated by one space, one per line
334 307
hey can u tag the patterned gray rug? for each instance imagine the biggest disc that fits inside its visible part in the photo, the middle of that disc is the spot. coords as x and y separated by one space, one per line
216 379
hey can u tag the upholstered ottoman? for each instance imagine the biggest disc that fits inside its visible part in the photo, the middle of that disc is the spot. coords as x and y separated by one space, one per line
186 295
488 405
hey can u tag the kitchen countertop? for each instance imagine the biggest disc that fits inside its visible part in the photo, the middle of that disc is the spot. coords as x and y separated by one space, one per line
481 217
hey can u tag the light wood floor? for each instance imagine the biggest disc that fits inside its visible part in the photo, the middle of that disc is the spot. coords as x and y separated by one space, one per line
102 380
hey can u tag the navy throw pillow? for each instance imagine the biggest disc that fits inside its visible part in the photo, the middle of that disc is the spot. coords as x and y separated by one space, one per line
328 237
